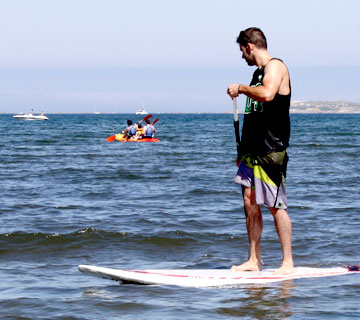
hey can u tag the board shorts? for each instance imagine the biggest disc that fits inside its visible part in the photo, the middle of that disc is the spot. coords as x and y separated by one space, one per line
266 175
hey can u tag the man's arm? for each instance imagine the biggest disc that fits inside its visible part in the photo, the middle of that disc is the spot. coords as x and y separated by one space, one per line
273 77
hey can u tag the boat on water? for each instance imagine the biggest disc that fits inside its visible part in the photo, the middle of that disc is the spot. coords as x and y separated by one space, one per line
142 111
30 116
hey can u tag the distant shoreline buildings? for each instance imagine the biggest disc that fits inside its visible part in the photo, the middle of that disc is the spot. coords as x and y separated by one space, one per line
324 107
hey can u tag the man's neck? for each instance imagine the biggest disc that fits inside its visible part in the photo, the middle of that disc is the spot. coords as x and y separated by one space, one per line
262 57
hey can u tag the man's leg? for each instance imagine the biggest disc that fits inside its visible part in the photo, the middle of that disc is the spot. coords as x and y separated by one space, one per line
254 226
284 229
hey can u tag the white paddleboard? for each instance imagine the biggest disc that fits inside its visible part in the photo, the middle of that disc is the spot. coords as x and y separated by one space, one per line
211 277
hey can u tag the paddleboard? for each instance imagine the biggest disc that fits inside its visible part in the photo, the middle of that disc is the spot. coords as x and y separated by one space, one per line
210 277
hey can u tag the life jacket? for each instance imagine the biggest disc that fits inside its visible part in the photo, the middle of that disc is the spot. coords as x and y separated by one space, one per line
132 131
149 131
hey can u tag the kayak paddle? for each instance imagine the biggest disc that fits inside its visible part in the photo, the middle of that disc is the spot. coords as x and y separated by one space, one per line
156 120
147 117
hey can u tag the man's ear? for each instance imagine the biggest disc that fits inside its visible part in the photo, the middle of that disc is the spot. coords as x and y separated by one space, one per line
249 47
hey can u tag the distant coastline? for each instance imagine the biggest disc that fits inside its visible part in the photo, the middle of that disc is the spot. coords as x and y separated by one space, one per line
303 107
324 107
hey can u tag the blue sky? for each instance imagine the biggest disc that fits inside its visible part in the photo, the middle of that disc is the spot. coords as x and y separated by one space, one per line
70 56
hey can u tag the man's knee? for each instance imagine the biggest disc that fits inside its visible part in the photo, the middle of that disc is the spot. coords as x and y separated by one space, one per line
278 212
249 196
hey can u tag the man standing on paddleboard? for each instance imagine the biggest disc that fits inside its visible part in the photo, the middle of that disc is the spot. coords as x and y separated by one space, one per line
264 140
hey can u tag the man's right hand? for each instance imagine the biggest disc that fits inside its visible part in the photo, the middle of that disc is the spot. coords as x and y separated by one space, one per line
233 90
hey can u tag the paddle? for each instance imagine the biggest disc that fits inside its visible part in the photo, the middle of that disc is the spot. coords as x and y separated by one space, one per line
112 138
147 117
237 132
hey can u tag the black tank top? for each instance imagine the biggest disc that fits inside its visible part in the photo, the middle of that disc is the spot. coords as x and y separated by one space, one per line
266 126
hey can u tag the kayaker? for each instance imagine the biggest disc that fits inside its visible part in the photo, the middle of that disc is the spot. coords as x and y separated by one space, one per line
139 132
130 131
149 130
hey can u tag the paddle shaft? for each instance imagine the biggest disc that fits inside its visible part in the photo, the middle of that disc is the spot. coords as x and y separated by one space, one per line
237 129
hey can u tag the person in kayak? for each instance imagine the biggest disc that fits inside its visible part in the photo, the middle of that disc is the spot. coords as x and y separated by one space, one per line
130 131
139 132
264 140
149 130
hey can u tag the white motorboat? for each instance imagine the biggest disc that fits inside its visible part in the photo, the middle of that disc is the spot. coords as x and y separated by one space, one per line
30 116
142 111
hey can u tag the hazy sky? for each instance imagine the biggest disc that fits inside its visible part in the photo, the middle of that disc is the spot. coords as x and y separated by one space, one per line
70 56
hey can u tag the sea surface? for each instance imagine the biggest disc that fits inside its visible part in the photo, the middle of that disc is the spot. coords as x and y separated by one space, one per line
68 197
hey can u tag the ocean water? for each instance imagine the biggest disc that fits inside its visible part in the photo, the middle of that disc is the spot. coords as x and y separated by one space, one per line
68 197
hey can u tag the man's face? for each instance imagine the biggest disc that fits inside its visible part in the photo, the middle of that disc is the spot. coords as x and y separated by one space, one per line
247 56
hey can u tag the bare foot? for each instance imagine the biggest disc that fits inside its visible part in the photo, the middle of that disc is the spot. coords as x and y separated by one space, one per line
285 270
248 266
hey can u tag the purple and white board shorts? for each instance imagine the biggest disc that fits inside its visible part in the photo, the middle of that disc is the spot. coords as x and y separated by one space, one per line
266 175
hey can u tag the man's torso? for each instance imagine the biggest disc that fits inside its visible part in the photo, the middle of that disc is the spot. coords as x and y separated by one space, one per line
266 126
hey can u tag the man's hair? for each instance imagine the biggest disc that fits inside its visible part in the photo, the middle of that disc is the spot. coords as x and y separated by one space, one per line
254 36
129 122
